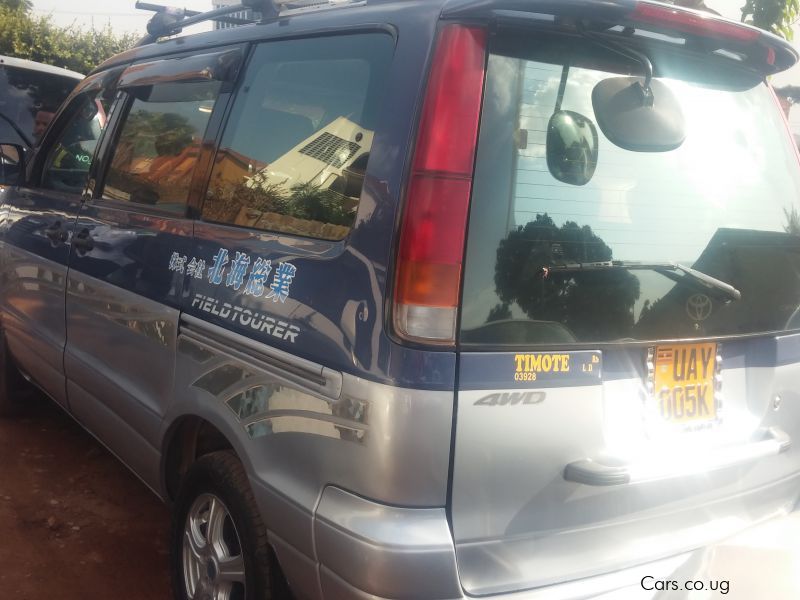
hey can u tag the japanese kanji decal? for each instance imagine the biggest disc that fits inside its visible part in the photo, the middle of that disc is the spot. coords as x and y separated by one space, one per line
239 273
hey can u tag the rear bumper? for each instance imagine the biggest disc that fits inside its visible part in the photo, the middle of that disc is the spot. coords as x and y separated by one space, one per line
371 551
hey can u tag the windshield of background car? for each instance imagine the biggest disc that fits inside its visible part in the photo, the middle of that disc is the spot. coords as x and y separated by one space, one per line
724 203
30 99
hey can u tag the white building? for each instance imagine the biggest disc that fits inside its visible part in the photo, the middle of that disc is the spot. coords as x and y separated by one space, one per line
243 14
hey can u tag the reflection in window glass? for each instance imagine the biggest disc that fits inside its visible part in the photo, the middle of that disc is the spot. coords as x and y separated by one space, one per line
721 203
68 160
296 147
158 146
30 100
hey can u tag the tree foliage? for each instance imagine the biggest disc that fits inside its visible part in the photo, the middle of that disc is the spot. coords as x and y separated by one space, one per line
792 220
32 37
25 5
775 16
593 305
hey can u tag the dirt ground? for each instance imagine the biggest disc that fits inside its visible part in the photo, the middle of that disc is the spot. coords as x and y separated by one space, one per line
74 523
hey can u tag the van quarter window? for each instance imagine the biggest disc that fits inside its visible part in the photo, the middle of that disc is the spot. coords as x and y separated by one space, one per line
295 150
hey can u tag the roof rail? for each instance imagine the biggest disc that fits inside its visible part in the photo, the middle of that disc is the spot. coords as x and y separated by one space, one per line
170 20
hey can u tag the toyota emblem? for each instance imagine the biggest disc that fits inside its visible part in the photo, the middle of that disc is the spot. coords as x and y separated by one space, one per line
699 307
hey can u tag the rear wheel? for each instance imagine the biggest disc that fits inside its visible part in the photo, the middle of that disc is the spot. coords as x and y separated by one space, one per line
219 543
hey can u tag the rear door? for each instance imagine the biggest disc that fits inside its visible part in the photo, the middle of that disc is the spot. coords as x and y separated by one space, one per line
613 413
37 233
126 276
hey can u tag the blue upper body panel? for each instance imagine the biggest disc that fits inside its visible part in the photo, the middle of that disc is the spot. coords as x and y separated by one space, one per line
334 309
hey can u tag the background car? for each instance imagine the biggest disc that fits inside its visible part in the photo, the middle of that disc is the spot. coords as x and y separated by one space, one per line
30 94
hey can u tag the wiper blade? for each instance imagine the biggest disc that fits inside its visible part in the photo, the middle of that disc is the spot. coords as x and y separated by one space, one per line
668 269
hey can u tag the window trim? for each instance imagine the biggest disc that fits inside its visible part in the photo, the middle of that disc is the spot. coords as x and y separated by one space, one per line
93 83
42 159
202 169
221 66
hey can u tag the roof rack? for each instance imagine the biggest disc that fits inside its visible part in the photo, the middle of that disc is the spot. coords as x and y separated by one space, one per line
170 20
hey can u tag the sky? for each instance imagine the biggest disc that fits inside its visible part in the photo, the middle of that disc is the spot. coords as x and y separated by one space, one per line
122 14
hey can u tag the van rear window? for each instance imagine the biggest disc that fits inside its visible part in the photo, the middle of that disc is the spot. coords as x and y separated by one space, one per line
617 259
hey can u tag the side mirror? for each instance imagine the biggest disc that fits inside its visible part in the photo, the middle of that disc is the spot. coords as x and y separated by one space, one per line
572 145
12 164
639 115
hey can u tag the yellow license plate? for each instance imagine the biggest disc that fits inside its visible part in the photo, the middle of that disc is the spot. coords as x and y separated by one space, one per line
684 380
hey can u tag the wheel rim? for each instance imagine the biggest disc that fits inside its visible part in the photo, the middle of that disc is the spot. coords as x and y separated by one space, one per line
213 562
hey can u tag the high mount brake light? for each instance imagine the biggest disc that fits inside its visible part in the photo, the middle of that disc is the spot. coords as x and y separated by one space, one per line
428 277
692 23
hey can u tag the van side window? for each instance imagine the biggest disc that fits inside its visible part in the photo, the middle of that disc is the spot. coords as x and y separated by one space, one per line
296 146
158 145
66 167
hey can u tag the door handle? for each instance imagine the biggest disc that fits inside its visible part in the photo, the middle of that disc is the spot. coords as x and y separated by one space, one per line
82 241
607 472
55 233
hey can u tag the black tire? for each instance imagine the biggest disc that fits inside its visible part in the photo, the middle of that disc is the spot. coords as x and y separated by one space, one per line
13 387
221 475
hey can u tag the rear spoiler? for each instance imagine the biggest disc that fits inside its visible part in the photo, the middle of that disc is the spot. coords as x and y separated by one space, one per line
748 45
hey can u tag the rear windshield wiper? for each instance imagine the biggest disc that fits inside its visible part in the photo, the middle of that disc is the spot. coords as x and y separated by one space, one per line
668 269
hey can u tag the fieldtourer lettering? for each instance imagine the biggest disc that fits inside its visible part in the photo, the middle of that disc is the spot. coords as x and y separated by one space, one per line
247 318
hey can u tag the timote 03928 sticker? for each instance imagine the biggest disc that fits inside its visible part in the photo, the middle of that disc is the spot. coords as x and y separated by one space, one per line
508 370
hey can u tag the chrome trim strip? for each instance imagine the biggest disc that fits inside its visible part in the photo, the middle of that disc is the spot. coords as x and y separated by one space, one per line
299 371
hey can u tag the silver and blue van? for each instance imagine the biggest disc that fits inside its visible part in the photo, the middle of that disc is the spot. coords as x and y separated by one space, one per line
425 299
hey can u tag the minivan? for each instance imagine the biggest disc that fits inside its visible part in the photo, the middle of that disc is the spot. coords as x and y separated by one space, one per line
425 298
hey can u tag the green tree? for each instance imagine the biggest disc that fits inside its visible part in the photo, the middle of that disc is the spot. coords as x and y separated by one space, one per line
36 38
23 5
792 220
594 305
775 16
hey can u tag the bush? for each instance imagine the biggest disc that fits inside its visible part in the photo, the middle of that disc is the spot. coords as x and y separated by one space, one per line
23 35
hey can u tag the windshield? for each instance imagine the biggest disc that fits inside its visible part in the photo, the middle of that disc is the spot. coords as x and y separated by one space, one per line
724 204
30 99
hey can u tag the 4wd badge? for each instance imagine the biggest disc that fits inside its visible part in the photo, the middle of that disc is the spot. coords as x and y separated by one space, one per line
511 399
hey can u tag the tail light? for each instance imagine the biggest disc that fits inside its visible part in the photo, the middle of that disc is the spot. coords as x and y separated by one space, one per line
428 276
